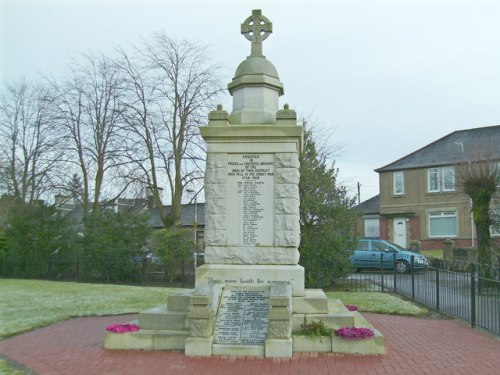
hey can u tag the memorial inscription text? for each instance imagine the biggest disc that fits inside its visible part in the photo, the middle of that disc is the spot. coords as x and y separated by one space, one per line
243 317
250 199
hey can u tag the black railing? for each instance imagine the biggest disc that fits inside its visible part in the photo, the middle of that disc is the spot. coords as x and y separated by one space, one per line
137 271
467 291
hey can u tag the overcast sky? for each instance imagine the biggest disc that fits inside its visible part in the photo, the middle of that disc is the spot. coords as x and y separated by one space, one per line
385 77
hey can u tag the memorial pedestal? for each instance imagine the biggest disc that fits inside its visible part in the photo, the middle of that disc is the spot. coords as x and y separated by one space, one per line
252 275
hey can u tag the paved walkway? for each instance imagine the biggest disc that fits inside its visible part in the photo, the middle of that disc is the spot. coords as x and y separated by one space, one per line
413 346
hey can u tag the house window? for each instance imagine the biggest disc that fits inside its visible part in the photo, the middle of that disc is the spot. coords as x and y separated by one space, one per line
440 179
443 224
495 215
398 183
372 227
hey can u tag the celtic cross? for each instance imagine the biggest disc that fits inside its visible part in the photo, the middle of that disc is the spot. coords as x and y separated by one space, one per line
256 28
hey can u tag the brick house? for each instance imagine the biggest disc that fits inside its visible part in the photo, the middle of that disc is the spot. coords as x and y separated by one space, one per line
421 203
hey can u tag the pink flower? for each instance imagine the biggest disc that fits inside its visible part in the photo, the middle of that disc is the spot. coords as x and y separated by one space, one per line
353 333
122 328
352 307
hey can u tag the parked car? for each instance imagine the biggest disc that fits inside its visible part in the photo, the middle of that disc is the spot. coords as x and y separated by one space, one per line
371 253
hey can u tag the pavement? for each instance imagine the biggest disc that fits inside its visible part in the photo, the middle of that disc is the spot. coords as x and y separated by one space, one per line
413 346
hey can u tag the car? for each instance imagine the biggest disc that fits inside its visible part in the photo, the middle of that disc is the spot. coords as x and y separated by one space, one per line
375 253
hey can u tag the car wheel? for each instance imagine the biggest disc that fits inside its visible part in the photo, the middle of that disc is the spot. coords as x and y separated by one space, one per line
402 267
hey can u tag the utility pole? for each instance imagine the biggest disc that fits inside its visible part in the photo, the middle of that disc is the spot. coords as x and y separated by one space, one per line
359 193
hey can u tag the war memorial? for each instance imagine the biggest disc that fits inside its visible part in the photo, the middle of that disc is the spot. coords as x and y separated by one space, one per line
249 296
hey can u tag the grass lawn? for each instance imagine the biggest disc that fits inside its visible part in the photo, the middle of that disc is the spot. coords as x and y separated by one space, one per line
7 369
376 302
433 253
29 304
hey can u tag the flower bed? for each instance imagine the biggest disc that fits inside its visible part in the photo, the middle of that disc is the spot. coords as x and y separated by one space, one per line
122 328
355 333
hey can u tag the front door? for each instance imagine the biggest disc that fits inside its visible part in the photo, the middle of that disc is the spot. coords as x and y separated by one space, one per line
399 226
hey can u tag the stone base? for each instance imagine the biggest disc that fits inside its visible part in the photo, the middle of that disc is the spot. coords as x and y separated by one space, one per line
279 348
146 339
199 346
249 276
313 305
236 349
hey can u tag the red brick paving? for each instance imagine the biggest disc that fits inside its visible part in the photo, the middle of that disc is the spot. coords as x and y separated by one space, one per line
414 346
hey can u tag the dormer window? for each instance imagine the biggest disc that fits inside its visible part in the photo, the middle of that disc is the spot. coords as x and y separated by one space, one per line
440 179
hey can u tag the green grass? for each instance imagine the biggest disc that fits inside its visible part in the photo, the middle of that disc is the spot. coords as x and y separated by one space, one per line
433 253
30 304
376 302
7 369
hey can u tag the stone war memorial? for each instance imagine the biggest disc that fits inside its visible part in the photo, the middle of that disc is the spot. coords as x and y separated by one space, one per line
249 296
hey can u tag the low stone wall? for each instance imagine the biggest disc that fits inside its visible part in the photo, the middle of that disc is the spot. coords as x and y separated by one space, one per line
463 254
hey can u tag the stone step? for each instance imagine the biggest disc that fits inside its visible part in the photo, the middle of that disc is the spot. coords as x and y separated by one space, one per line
237 349
336 317
313 302
180 301
335 344
146 340
161 318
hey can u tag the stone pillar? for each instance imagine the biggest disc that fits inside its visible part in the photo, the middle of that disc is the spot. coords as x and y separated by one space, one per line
448 247
279 340
204 305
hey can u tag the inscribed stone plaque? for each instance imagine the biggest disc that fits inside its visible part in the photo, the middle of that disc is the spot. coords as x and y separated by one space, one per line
250 199
243 317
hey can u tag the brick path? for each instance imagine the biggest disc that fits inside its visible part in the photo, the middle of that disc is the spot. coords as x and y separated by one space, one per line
413 346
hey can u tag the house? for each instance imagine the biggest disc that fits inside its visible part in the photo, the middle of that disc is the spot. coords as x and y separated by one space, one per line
192 216
369 225
421 202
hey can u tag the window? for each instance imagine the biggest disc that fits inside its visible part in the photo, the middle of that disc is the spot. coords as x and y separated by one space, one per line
372 227
448 175
398 183
495 216
378 246
362 245
440 179
443 224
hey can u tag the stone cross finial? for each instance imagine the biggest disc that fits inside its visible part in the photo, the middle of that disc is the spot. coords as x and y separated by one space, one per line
256 28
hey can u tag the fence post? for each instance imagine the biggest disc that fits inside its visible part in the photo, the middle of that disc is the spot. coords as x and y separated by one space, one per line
394 270
412 270
437 289
382 271
77 267
472 296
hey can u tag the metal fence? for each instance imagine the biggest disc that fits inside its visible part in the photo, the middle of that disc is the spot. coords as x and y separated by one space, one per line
467 291
135 271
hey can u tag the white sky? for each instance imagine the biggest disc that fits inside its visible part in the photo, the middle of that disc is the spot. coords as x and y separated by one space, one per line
386 77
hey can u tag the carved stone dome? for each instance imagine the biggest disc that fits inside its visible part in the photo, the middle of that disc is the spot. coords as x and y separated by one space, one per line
256 71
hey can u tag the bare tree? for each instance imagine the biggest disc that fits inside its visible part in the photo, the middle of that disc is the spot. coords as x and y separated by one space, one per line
29 143
140 116
90 110
479 179
186 89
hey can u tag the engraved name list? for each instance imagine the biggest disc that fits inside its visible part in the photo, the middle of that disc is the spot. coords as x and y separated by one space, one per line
250 199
